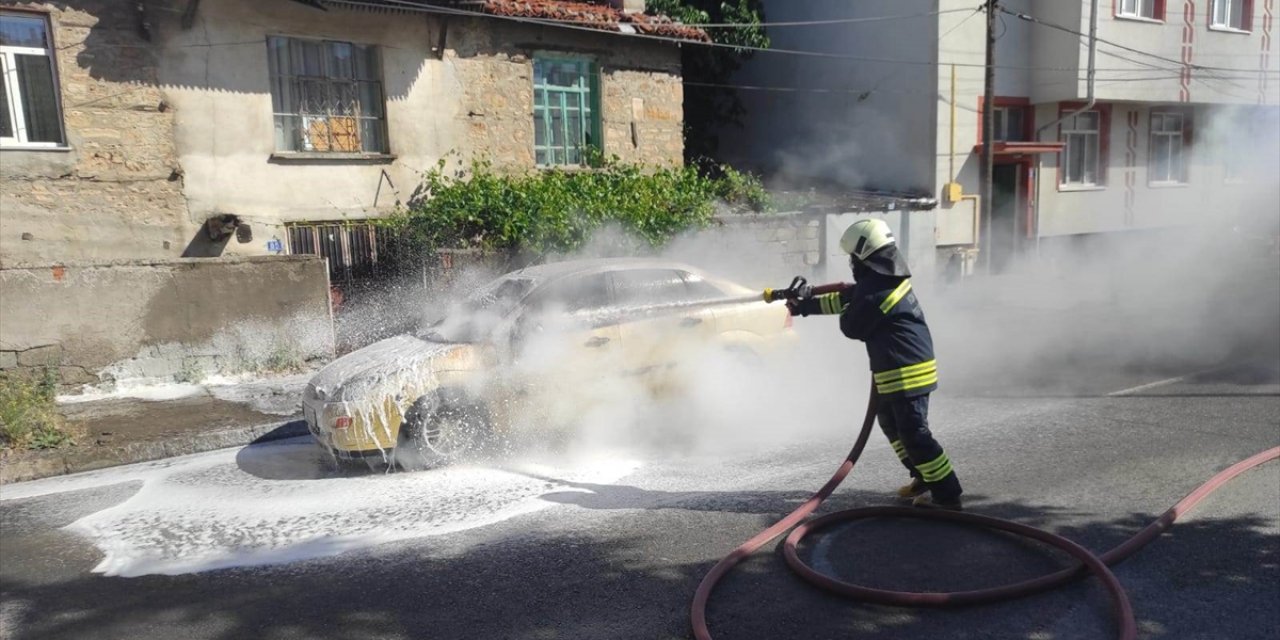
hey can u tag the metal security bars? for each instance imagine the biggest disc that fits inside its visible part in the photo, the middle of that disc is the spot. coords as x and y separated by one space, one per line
566 113
326 96
354 251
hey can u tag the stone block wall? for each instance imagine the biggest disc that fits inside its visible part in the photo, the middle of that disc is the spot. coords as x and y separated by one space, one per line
168 125
115 190
792 240
177 319
641 90
757 251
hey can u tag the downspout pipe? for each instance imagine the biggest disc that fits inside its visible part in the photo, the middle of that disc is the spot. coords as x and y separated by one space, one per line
1090 73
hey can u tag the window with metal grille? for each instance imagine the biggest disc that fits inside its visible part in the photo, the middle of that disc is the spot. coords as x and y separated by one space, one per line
326 96
29 114
1232 14
1168 163
1081 135
566 112
354 251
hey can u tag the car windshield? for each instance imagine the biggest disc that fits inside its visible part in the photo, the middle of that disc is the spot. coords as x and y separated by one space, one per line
476 317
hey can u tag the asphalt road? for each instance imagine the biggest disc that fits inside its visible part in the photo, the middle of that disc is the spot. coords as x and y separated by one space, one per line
265 542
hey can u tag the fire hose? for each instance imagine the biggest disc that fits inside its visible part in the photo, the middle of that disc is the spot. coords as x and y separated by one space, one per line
1089 563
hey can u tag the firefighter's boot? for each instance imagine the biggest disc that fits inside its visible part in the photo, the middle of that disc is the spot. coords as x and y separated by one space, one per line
927 501
913 489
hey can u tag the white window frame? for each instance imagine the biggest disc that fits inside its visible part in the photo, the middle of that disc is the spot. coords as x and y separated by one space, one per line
1135 9
1223 8
1065 136
13 90
1177 140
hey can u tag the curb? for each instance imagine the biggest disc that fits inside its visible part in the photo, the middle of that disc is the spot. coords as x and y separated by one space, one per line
75 460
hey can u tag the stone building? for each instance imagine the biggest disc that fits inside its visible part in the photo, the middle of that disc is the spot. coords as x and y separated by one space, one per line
168 128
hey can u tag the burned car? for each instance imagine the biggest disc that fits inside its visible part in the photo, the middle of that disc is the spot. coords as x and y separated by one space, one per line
433 397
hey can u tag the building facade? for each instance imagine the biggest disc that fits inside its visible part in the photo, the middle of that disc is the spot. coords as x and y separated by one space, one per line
240 127
1182 127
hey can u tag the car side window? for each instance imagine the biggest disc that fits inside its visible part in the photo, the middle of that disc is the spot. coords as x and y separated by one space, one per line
641 287
700 289
575 293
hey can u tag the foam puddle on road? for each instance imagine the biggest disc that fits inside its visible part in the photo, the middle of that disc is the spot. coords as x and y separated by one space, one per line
278 503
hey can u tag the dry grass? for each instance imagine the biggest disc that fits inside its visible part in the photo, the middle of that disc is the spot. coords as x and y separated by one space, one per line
29 418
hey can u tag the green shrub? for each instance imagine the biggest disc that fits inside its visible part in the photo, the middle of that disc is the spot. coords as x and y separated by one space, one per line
28 415
557 210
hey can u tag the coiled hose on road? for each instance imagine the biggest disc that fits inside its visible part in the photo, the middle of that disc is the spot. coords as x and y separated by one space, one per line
1096 565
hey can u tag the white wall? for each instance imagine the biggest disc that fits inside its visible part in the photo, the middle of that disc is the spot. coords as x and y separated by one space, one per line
1208 195
1185 35
216 77
1059 58
964 46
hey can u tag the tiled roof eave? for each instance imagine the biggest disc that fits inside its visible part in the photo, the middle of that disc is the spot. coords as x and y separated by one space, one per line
572 14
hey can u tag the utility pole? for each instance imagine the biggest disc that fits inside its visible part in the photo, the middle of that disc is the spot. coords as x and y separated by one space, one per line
986 174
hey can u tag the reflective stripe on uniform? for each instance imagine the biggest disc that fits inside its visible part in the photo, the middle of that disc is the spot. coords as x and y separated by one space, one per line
936 469
907 384
894 297
909 377
830 303
907 371
899 449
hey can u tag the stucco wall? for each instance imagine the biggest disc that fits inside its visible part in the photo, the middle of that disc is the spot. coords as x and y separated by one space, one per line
165 319
115 190
167 132
1185 35
1128 201
474 97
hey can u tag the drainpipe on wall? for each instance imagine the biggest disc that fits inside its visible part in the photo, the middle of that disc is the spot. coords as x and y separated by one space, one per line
1089 101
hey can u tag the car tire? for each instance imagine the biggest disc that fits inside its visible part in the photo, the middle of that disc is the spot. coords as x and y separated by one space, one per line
441 428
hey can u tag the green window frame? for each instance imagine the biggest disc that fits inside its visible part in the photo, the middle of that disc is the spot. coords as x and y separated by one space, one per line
566 110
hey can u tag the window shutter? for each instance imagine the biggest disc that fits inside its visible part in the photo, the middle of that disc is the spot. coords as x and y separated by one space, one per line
1157 11
1246 21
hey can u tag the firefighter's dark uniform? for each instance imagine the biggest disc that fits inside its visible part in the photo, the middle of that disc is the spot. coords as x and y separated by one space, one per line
883 312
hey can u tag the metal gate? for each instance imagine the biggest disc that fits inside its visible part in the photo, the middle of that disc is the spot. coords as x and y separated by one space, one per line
355 251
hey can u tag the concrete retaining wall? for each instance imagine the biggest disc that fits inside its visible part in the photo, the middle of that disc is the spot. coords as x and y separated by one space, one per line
179 319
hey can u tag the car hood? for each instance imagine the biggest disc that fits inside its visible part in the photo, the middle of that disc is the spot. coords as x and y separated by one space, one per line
385 361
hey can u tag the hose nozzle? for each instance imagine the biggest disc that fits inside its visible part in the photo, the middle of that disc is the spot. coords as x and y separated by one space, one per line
793 291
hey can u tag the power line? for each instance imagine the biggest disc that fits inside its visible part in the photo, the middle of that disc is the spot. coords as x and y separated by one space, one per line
1034 20
809 23
579 25
961 23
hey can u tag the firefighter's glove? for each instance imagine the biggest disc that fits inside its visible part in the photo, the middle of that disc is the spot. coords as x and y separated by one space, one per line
795 308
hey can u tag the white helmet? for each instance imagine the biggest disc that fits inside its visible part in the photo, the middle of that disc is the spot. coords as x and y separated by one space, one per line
864 237
871 242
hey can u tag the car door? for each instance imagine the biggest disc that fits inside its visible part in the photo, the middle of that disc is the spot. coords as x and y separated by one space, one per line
562 344
659 318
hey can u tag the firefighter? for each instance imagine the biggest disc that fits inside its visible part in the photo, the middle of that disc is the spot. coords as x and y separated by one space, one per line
881 310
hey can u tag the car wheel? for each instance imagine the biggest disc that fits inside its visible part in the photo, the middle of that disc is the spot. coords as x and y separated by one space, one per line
441 428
